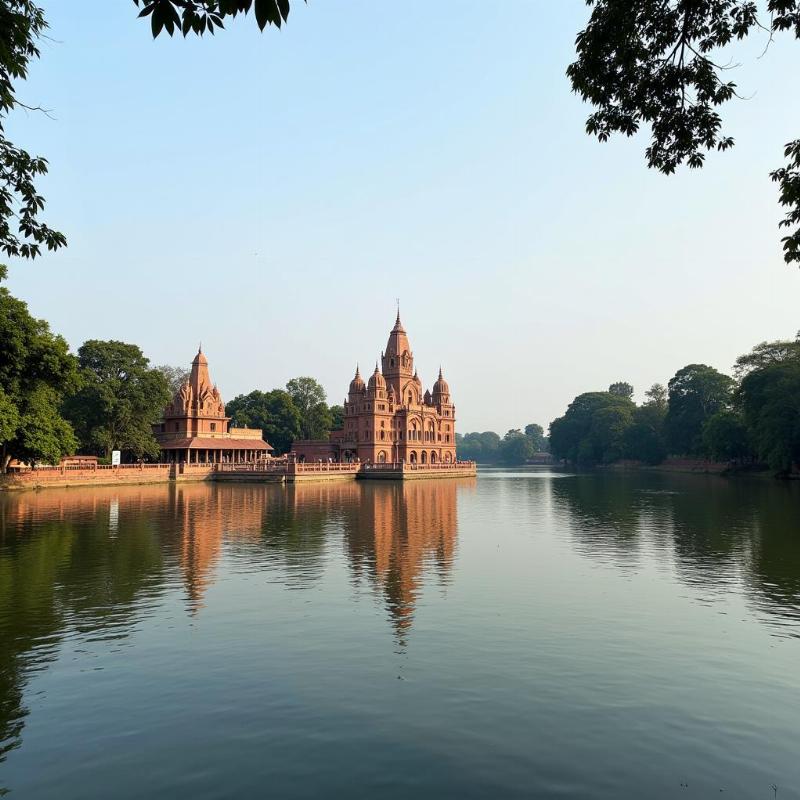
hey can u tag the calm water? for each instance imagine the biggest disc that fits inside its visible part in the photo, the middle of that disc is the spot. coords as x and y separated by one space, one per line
518 635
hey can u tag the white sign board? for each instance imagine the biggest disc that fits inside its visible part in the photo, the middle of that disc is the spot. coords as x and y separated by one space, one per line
115 458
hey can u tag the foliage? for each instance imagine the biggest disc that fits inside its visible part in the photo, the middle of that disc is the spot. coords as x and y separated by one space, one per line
766 354
120 400
337 417
516 447
769 396
201 16
22 25
481 447
696 392
657 397
593 428
725 437
36 369
43 434
788 180
176 376
309 398
621 388
653 62
536 434
644 439
274 412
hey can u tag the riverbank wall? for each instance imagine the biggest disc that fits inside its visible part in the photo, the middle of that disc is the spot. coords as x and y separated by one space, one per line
259 472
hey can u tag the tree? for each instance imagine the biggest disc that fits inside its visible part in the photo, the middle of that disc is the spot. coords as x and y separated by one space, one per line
201 16
36 370
655 63
605 444
9 424
176 376
592 429
644 439
516 447
769 396
43 434
766 354
274 412
696 392
536 434
622 389
725 437
309 398
122 397
481 447
22 26
337 417
657 397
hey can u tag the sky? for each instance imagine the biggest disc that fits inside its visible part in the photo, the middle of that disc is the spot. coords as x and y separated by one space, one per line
272 194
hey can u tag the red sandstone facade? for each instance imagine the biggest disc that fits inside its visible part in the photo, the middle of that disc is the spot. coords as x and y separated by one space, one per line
391 418
196 430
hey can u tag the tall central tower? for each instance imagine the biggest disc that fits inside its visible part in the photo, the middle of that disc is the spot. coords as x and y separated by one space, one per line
398 361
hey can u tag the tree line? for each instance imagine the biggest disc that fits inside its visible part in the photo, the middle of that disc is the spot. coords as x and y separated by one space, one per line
107 397
516 447
751 417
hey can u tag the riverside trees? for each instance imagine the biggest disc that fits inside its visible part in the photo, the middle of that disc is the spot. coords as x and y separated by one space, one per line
753 416
36 372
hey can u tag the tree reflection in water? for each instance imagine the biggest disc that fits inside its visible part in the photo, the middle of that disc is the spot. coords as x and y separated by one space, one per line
715 532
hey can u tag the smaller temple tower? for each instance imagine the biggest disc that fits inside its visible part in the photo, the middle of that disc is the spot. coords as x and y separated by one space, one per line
194 428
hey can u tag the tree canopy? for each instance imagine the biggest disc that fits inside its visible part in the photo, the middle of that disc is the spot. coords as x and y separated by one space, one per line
274 412
22 232
120 399
592 429
36 371
769 396
657 63
309 398
696 393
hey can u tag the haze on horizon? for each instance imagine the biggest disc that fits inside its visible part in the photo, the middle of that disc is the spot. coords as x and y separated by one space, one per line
272 194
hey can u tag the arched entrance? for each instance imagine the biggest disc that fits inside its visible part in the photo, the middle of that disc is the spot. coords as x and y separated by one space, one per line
448 458
413 456
424 457
433 456
382 457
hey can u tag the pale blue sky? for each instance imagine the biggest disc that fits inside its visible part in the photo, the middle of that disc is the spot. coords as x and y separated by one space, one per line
271 194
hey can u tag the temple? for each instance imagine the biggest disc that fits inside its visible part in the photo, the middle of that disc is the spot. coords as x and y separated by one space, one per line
195 429
391 418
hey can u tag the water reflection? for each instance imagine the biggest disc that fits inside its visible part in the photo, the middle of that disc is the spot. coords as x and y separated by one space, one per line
716 533
399 534
89 564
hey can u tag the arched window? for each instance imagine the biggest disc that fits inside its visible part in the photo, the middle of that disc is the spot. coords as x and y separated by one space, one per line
383 435
413 456
433 456
424 457
382 457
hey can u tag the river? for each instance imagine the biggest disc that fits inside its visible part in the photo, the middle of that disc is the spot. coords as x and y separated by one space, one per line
522 634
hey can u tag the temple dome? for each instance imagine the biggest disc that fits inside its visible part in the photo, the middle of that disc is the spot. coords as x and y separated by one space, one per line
377 381
357 384
441 388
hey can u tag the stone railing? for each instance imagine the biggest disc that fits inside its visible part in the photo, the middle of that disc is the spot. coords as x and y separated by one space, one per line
305 467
